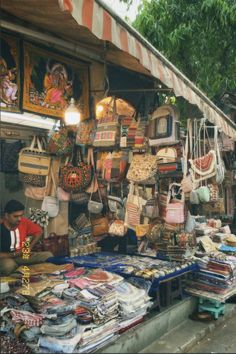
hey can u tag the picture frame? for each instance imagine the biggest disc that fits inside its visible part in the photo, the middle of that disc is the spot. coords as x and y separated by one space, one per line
10 73
51 80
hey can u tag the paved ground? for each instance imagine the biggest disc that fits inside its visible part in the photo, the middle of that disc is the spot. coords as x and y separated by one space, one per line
221 340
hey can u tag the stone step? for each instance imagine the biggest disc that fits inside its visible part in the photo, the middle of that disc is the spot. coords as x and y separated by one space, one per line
155 325
187 334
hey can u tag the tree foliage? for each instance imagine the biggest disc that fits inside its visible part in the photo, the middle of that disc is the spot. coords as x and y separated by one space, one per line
197 36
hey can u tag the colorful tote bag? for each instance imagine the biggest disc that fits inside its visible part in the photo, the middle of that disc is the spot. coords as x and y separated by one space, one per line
143 169
108 128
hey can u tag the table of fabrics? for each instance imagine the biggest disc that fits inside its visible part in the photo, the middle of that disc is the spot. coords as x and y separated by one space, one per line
216 278
148 271
69 309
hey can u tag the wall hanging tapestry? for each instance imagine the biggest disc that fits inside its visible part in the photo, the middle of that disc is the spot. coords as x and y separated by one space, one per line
51 80
9 73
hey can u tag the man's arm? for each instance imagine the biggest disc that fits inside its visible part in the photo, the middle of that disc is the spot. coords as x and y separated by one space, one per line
35 239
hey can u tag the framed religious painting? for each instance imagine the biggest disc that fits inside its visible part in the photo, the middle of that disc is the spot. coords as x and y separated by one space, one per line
51 80
10 91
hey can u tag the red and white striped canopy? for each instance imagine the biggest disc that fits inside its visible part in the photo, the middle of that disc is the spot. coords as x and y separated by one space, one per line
107 26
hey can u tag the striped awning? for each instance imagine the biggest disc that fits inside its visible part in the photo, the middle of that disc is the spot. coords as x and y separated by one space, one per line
107 26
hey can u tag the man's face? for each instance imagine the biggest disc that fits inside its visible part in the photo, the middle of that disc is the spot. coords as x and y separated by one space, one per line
14 218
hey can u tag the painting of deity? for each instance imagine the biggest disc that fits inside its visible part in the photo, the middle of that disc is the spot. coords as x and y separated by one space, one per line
9 73
51 80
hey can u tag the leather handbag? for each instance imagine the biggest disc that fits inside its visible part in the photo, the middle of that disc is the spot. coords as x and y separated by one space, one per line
143 169
100 226
34 159
175 209
117 228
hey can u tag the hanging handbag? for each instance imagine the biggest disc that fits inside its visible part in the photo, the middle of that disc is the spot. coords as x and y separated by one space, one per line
220 168
34 180
61 142
142 230
36 193
114 166
117 228
93 187
34 159
86 132
9 156
107 132
203 194
62 195
95 207
75 177
194 198
165 155
187 183
151 209
190 223
51 203
79 198
116 204
155 232
143 169
134 207
214 192
175 209
100 226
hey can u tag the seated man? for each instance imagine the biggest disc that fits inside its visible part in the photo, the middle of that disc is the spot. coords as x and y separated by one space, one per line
15 249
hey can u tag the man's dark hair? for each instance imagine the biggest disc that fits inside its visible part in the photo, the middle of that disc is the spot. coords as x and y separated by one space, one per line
13 206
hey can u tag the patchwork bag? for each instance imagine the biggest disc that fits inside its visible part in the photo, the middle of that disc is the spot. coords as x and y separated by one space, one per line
61 142
114 166
155 233
34 159
143 169
175 209
108 128
86 132
214 192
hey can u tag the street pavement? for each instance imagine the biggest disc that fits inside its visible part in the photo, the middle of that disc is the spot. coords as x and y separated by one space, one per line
221 340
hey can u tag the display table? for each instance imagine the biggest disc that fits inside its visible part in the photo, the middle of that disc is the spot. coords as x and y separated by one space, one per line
165 277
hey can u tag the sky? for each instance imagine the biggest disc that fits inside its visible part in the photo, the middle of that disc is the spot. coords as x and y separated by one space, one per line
121 8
